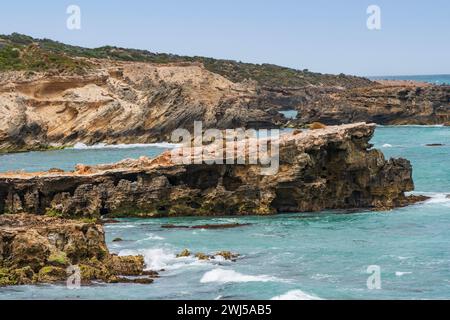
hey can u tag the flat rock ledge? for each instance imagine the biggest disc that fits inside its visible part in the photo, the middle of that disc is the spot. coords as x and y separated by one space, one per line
330 168
40 249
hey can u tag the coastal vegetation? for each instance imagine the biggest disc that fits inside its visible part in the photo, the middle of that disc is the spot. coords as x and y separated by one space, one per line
22 52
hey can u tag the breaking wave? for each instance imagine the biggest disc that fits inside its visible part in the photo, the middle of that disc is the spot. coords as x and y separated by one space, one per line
401 273
296 295
158 258
151 236
224 276
437 198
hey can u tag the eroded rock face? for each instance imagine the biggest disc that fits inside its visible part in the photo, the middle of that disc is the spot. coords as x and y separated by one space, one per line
331 168
121 103
133 102
390 104
35 249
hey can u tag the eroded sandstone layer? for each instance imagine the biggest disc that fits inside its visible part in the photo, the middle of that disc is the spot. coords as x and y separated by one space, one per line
122 102
36 249
331 168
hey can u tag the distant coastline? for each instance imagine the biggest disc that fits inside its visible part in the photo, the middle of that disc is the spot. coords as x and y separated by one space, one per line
437 79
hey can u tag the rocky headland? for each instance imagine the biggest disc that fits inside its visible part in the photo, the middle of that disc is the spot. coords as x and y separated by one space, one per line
386 103
54 95
330 168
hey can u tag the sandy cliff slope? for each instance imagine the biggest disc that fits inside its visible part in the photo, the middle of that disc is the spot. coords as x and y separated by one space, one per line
121 102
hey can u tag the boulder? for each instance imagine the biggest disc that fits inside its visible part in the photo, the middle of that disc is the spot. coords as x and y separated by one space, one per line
39 249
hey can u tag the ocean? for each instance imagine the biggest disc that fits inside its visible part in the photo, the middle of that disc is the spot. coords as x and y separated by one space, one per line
323 255
437 79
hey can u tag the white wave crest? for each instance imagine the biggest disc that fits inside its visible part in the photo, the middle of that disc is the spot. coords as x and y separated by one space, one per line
120 226
296 295
151 236
438 198
225 276
387 145
163 145
158 258
435 197
401 273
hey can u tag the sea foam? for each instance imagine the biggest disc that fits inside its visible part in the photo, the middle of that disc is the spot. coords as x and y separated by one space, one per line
296 295
437 198
159 258
224 276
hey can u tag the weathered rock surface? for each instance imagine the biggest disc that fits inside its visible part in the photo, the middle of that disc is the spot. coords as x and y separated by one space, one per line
226 255
122 103
36 249
331 168
390 104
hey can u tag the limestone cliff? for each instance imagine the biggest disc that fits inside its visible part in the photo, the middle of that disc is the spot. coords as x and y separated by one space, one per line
331 168
121 103
394 103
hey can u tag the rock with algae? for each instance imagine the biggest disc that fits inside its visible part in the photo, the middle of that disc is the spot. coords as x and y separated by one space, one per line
39 249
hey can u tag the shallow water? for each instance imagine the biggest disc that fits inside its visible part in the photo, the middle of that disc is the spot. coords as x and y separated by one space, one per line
298 256
67 159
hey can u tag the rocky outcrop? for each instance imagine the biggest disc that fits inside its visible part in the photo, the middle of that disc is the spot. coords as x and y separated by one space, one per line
395 103
331 168
39 249
122 103
226 255
136 102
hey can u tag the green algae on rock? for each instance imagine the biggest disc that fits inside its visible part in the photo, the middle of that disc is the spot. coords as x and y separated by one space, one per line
39 249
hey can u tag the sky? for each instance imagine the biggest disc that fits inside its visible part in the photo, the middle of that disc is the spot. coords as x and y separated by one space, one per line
322 36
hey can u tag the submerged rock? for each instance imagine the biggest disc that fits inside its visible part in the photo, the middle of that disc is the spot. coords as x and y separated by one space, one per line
184 253
38 249
331 168
227 255
202 256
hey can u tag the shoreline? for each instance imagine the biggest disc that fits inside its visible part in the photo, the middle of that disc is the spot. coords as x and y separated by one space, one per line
168 145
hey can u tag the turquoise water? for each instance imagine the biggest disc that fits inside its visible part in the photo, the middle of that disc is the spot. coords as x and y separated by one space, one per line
68 158
290 114
434 79
298 256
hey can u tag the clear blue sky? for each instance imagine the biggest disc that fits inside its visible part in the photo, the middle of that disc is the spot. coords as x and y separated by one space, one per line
325 36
